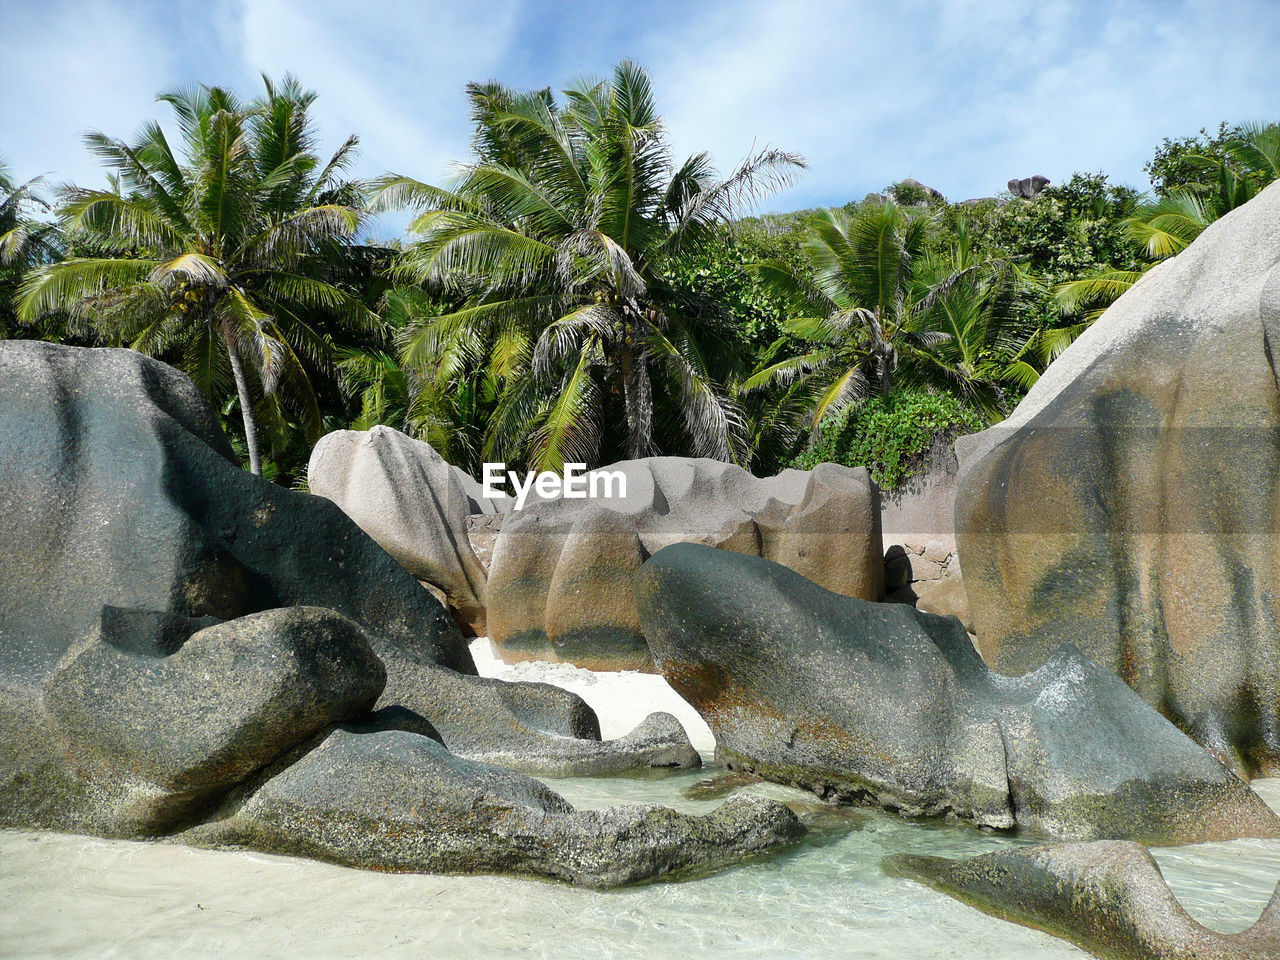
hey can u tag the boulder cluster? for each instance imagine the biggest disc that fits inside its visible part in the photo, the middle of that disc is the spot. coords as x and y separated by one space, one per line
557 581
190 651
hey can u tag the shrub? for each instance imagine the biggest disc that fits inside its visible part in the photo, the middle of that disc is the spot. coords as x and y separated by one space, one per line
890 437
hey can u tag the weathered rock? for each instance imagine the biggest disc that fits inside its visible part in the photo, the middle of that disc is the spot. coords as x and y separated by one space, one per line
922 508
404 495
124 493
1028 188
118 489
560 585
482 532
535 728
162 712
1107 897
926 575
918 522
163 643
1131 503
877 702
397 801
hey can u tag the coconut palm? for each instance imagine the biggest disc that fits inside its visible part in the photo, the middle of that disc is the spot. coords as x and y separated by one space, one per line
26 242
875 309
447 405
553 243
220 258
1158 230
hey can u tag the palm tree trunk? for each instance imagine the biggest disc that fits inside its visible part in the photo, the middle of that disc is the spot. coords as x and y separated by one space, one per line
882 350
246 405
637 399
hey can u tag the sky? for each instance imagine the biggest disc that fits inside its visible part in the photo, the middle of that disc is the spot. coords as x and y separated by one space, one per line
960 94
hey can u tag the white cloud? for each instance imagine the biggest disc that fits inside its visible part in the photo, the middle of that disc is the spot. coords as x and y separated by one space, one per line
962 94
68 67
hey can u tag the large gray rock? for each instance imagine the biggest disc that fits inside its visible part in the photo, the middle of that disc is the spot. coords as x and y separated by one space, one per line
171 627
1107 897
880 703
414 504
1131 503
560 580
535 728
432 811
118 489
163 712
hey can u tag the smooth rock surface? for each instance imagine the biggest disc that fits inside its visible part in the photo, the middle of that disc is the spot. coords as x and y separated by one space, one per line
414 504
397 801
117 488
880 703
560 579
1107 897
1131 503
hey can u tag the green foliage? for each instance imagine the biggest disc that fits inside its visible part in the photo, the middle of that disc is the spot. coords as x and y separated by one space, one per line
720 270
230 258
1179 162
1197 181
572 245
27 242
913 194
889 435
574 293
1070 232
1065 231
872 305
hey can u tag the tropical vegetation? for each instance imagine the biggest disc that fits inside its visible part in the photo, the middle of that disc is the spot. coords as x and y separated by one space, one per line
227 257
575 292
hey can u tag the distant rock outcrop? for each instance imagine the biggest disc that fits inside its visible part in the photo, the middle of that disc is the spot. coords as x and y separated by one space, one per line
877 702
560 584
183 642
1131 503
1028 188
1107 897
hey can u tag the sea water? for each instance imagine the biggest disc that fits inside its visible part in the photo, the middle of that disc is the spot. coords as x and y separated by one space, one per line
73 896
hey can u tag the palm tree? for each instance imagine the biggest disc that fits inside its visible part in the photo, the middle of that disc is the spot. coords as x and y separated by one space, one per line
446 405
876 309
26 242
1165 226
553 243
221 258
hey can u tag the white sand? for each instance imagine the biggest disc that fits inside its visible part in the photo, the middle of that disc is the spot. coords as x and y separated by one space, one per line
621 699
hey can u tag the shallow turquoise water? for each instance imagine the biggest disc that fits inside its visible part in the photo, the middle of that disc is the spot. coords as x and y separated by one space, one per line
66 896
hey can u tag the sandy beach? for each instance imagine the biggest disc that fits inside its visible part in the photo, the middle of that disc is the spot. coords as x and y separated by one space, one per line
73 896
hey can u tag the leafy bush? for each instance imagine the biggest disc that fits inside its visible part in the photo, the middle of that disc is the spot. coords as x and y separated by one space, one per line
719 270
908 194
889 437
